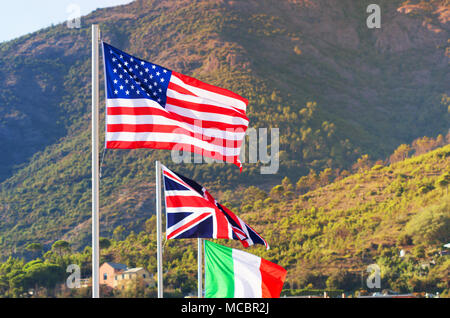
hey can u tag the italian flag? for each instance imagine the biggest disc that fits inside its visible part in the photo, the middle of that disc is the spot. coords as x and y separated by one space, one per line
232 273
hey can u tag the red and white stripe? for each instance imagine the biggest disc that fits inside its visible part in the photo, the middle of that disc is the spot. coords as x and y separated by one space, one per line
198 117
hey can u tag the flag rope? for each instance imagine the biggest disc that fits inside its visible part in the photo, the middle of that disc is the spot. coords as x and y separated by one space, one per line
101 162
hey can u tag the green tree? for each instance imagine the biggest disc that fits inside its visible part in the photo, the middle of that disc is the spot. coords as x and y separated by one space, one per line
61 247
40 274
401 153
431 225
277 191
287 184
362 164
341 279
325 176
118 233
35 248
104 243
444 181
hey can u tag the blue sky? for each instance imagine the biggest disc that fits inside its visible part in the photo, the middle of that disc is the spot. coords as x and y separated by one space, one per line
19 17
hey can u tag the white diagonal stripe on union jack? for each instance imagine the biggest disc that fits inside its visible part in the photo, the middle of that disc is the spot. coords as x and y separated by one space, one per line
192 212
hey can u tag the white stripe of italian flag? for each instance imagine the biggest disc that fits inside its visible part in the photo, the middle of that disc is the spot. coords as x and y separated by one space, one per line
232 273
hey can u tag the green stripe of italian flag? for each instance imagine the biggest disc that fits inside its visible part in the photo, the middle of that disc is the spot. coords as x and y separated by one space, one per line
232 273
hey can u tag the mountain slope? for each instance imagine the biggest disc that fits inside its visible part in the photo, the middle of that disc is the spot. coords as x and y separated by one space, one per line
327 237
370 87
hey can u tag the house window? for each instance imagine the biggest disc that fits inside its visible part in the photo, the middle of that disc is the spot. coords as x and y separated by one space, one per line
105 276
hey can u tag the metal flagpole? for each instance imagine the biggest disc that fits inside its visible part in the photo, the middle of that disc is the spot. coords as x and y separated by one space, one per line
95 164
200 267
159 229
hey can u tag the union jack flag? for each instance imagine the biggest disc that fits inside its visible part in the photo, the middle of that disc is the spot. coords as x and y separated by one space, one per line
192 212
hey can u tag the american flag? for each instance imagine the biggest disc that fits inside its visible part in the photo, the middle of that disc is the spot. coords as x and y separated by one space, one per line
149 106
193 213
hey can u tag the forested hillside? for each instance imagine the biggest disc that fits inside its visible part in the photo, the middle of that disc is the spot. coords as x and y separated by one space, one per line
325 233
336 90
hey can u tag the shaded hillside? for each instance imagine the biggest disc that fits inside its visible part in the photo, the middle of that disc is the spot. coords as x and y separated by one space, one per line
334 88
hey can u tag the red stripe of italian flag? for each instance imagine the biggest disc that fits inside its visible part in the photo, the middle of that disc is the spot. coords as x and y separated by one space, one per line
232 273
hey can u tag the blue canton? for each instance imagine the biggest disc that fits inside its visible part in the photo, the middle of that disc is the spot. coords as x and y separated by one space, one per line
131 78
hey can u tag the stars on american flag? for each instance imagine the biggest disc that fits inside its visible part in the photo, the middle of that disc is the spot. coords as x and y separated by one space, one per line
130 77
